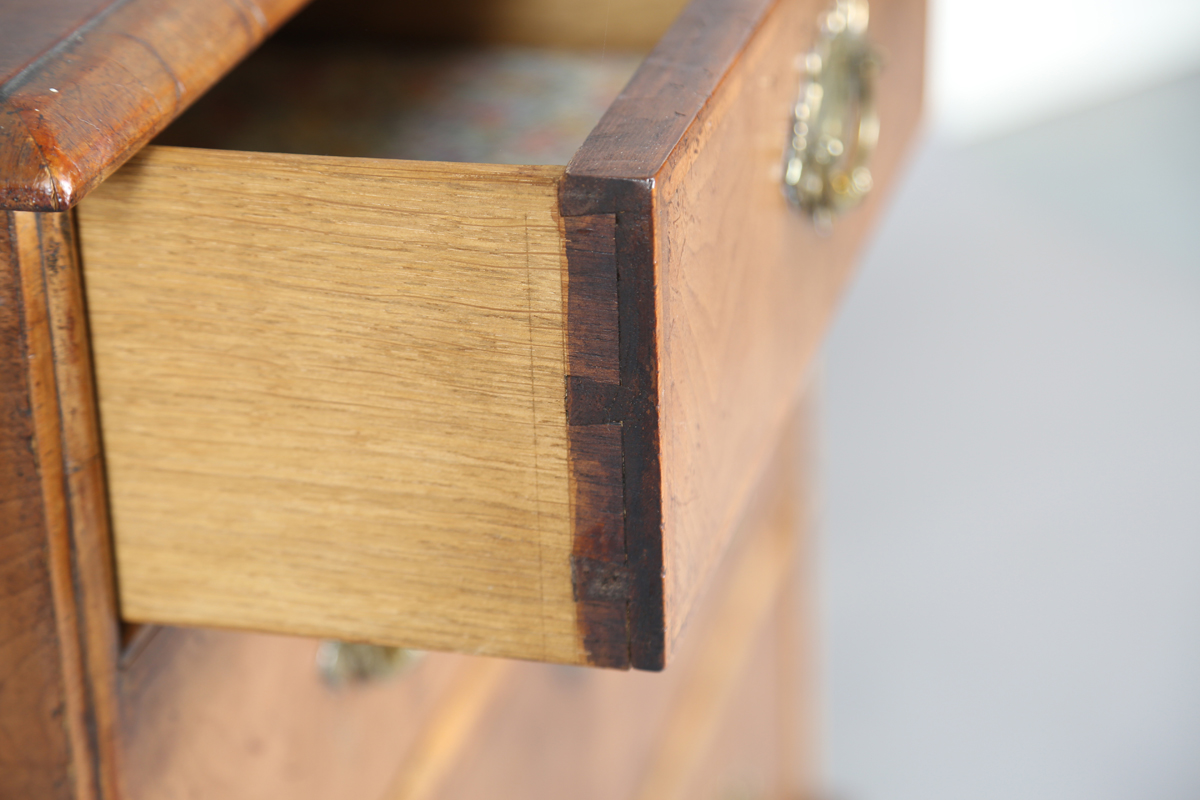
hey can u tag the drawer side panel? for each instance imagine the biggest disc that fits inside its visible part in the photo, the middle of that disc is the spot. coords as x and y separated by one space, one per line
331 393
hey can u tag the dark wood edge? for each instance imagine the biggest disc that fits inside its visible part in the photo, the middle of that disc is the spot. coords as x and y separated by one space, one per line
78 112
638 326
599 572
613 425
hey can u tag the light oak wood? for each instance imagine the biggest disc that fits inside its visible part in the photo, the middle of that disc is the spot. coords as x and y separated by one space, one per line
334 392
238 715
332 398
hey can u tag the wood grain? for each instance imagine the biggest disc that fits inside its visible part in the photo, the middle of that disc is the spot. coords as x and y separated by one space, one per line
240 715
745 714
58 635
742 755
661 103
554 731
724 291
246 716
599 566
240 347
746 286
332 398
730 644
108 78
34 27
441 743
35 754
614 173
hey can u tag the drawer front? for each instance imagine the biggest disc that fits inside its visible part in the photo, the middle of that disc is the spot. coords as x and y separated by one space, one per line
512 411
724 289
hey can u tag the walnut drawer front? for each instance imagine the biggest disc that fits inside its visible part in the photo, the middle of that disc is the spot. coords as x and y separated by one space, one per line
504 410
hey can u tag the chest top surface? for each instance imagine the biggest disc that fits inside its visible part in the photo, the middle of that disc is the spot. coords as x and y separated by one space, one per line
85 83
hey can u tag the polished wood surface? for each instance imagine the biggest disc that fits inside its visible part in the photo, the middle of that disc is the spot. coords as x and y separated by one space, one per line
744 755
33 28
99 80
640 130
611 176
747 286
35 754
58 624
731 636
332 398
748 718
439 752
247 716
723 289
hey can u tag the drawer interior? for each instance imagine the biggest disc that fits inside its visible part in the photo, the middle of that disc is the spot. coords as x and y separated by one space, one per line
494 105
526 88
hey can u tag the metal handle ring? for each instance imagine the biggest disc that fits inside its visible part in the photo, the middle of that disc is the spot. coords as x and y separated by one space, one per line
835 125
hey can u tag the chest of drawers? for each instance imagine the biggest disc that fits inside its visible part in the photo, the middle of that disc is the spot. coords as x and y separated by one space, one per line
506 410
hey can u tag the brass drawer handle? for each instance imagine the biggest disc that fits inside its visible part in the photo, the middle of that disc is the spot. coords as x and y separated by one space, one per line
834 123
344 662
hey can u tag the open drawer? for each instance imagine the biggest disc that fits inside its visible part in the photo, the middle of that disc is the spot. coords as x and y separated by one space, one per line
508 410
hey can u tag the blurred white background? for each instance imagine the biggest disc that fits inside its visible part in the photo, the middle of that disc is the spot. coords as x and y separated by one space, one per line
996 66
1010 539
